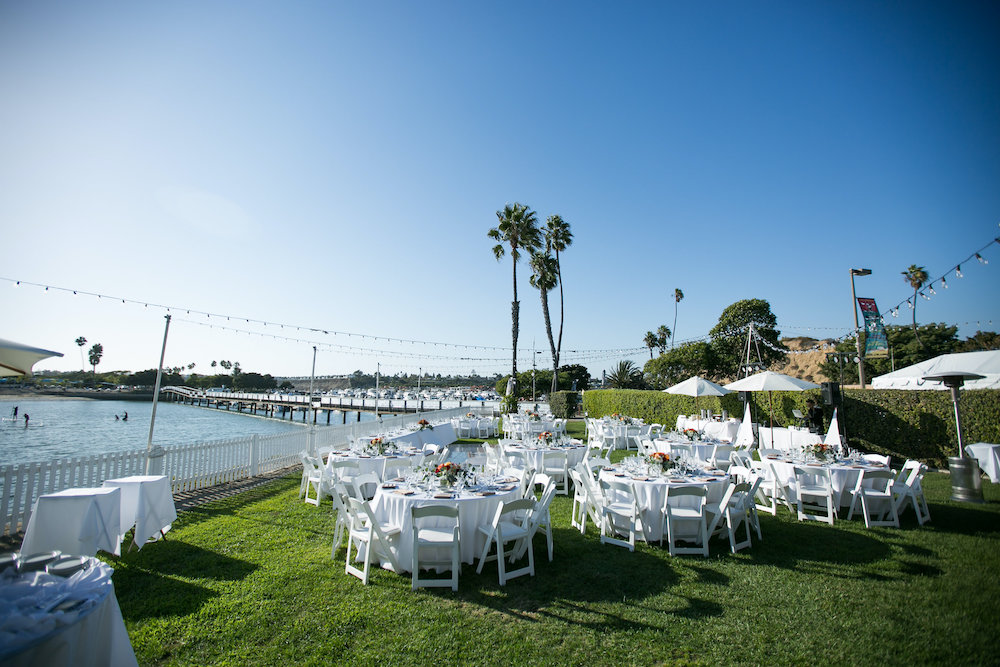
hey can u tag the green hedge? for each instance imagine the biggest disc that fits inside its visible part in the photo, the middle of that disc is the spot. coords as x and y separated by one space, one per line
905 424
564 403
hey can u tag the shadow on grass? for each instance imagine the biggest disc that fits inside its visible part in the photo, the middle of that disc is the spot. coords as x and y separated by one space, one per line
232 504
149 583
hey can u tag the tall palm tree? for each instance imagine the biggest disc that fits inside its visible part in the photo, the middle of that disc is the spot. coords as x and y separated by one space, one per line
662 334
678 295
517 228
650 341
915 276
81 341
558 237
625 376
543 278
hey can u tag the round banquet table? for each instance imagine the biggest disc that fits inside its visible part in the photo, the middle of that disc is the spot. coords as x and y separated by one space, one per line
393 506
651 492
533 456
73 621
367 463
843 476
701 450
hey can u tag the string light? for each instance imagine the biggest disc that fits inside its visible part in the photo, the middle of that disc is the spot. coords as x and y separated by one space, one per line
930 288
958 271
981 259
944 283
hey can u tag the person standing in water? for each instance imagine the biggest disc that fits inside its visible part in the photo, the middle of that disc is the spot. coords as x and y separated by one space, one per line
15 412
125 417
26 418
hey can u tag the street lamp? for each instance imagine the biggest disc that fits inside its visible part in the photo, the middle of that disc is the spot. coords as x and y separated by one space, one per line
857 334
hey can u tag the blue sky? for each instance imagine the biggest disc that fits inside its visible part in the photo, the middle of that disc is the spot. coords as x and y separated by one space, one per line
337 166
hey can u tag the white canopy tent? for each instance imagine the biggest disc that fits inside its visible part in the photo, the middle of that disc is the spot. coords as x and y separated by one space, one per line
18 358
986 363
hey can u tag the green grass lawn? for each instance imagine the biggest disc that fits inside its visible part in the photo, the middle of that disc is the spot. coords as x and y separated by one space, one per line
250 580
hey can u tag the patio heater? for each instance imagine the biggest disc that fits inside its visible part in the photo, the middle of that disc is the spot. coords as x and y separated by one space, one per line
966 482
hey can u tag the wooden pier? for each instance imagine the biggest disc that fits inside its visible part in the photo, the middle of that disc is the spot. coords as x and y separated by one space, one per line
297 407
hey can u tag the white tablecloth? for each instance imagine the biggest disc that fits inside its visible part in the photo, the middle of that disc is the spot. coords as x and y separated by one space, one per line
473 511
91 634
652 493
843 476
146 503
701 450
534 456
375 464
725 431
440 435
989 458
786 439
75 521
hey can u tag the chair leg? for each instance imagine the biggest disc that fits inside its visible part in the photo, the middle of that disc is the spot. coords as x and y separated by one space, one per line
501 570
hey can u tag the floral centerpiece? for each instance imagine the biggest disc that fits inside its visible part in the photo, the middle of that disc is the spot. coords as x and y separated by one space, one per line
691 434
423 423
545 438
380 446
660 460
448 472
470 415
534 416
820 450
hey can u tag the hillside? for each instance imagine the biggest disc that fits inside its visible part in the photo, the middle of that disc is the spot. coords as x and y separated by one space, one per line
806 365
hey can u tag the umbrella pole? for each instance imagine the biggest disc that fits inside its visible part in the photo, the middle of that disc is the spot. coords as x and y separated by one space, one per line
770 402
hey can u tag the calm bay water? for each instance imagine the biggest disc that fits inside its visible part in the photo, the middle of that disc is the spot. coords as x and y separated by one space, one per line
64 428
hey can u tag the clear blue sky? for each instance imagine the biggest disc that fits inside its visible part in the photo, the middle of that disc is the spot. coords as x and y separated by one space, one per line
337 165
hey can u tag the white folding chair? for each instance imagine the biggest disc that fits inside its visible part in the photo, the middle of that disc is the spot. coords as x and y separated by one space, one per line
722 457
674 514
365 485
435 537
908 487
737 509
540 521
578 516
814 483
343 471
511 523
596 465
875 487
528 483
394 467
876 459
376 538
619 512
342 518
484 428
313 477
555 467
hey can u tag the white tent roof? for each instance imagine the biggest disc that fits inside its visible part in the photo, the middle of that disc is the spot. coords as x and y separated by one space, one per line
985 363
18 358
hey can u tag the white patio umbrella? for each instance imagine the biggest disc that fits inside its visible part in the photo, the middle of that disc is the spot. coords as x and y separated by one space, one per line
770 381
697 386
18 358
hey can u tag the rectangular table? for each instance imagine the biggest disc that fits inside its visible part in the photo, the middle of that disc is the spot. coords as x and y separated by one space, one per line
989 458
146 503
75 521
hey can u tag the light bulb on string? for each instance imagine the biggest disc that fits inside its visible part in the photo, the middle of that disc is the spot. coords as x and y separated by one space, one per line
958 271
930 288
909 303
944 283
982 260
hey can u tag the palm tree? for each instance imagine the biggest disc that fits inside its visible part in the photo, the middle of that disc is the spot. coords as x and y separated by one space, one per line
678 295
95 353
516 227
650 341
916 276
557 238
81 341
543 278
625 376
662 334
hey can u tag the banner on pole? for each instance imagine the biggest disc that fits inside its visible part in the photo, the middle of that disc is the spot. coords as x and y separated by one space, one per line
876 342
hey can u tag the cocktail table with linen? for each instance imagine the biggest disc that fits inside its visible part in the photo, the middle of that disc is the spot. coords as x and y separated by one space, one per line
147 504
843 474
75 521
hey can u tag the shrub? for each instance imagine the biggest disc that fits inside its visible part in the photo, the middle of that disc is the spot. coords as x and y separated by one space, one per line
564 403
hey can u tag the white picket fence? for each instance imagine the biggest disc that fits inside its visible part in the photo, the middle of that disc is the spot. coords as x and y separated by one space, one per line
189 467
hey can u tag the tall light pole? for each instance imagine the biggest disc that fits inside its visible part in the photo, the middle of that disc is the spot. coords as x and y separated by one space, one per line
857 333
